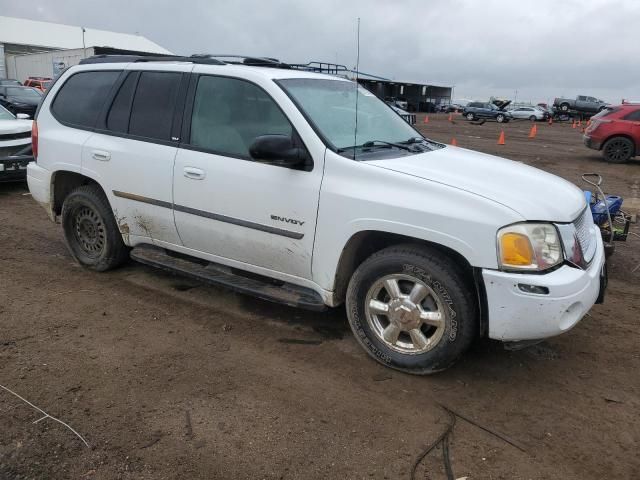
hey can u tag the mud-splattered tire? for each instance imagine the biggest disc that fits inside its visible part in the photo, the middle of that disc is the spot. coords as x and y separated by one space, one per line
90 230
412 309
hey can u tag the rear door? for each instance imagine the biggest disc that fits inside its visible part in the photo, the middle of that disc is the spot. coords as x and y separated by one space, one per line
133 151
226 203
633 121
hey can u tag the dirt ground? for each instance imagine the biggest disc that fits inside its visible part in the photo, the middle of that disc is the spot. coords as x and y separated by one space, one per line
168 379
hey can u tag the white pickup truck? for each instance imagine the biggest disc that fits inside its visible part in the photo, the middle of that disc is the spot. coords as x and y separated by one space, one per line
258 177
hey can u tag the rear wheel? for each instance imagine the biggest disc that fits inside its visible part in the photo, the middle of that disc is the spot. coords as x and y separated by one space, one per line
564 107
90 229
500 118
618 150
533 118
411 309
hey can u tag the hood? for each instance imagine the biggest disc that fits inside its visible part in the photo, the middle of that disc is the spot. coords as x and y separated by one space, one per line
533 193
25 101
8 127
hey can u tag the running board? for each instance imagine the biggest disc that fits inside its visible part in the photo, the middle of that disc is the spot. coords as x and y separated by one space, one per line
219 275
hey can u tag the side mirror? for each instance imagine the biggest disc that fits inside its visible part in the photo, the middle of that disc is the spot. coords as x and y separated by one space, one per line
278 150
22 116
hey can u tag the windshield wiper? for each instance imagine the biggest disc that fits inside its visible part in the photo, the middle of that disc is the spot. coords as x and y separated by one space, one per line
378 143
415 140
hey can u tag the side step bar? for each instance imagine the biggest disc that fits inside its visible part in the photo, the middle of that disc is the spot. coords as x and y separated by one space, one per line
220 275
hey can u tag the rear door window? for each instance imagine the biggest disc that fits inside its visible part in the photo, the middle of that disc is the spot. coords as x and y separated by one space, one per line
154 104
120 111
633 116
82 97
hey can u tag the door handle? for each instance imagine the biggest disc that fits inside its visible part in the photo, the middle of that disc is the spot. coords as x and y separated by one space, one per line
194 173
100 155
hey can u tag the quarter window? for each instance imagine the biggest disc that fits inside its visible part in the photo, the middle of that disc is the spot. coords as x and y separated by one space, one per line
633 116
228 114
154 104
82 96
118 118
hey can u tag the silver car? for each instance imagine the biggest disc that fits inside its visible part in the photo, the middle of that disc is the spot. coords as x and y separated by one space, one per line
530 113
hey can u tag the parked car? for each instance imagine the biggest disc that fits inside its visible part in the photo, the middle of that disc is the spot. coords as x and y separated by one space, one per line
20 99
581 103
529 113
451 108
477 110
398 102
615 131
259 180
9 81
39 83
15 145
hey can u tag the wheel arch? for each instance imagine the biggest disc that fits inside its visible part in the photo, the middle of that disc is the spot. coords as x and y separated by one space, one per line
363 244
63 182
624 135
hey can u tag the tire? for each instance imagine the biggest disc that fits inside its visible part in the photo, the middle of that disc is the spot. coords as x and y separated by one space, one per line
564 107
618 150
500 118
470 116
533 118
90 230
448 296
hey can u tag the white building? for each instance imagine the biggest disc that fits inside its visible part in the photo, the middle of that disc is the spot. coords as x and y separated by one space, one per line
33 48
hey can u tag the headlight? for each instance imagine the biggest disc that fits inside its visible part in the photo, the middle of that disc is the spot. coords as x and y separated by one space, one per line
529 247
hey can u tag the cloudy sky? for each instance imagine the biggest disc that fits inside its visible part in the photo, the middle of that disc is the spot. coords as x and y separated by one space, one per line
539 48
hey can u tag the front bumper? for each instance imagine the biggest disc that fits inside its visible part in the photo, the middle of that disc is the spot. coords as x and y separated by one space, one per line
515 315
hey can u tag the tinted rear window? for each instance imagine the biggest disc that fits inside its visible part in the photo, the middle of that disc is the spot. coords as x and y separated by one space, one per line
118 117
635 115
81 98
153 105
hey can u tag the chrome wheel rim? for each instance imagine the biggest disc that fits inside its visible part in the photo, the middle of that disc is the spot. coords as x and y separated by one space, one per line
470 116
89 231
618 150
405 314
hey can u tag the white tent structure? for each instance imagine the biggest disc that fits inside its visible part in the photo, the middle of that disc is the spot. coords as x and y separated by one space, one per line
19 36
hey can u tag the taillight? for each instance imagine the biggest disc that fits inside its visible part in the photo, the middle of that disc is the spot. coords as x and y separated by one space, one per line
34 139
595 124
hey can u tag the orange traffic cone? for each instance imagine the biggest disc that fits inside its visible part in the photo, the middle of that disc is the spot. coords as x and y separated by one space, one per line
550 121
533 132
573 125
454 143
450 117
589 123
426 119
501 138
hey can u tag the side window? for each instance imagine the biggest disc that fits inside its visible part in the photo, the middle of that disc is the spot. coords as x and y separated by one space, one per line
154 104
81 98
633 116
581 98
228 114
118 117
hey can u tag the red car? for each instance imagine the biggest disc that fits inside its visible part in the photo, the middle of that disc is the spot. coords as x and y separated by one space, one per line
615 131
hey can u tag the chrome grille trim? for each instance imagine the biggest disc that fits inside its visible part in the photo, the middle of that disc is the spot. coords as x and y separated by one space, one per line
586 235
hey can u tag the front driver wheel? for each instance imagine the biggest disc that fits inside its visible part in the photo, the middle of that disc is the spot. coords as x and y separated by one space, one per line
500 118
470 116
411 309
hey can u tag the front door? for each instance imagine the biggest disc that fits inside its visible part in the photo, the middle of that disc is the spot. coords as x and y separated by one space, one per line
231 206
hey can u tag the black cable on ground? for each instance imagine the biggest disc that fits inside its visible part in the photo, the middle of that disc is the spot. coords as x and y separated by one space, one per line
444 439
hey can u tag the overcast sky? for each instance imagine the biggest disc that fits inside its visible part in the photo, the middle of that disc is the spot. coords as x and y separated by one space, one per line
541 48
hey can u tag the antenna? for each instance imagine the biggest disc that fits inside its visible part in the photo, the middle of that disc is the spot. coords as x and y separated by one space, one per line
355 131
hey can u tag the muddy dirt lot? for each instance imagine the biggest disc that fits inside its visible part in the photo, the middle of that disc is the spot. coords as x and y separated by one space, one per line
165 378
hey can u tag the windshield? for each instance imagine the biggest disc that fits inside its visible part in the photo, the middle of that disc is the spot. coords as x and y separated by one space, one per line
5 114
22 92
330 105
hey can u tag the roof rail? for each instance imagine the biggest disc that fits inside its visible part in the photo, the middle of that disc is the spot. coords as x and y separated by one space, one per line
149 58
321 67
244 60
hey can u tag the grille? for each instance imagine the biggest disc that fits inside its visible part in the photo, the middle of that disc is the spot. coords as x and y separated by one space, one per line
584 231
9 151
15 136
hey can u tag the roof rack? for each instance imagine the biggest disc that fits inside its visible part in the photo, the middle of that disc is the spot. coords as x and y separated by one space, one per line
321 67
149 58
244 60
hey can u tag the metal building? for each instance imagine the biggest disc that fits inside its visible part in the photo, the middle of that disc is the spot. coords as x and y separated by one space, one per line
21 38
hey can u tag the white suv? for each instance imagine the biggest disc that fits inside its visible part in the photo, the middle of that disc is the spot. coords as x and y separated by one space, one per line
260 179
